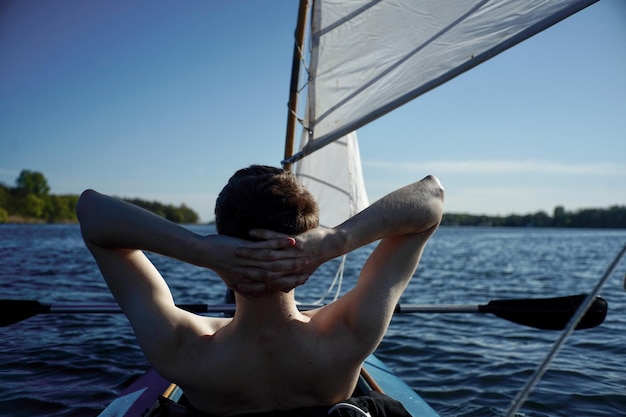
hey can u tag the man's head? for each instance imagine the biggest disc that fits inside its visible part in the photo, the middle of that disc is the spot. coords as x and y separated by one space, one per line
263 197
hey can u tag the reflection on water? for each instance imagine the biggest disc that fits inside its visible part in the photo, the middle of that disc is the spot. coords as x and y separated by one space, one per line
463 364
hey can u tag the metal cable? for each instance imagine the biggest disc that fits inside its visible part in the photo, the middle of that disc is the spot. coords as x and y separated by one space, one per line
582 309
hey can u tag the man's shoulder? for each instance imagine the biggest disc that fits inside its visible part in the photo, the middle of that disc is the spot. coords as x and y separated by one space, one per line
333 319
196 327
189 331
192 337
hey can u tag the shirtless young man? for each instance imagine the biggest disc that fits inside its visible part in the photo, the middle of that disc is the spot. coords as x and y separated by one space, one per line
269 356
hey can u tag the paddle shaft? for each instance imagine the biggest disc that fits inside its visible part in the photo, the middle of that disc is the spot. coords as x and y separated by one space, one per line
545 313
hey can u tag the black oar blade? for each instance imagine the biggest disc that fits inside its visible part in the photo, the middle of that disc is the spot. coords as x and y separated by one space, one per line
548 313
13 311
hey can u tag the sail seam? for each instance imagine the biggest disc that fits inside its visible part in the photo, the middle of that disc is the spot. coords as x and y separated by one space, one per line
328 184
400 61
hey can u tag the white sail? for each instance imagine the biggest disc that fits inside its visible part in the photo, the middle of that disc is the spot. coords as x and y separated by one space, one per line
371 56
335 177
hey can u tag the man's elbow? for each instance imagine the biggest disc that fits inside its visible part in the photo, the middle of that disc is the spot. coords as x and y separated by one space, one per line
85 212
85 201
435 186
437 214
437 196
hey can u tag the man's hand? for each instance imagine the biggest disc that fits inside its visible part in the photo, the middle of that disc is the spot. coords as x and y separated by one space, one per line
285 261
255 268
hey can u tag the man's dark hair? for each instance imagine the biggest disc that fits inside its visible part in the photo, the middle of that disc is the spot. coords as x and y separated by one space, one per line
264 197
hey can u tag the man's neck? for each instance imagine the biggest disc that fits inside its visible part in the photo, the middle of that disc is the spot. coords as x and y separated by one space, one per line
270 308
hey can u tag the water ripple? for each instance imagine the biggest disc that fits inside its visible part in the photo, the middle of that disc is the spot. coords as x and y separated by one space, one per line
462 364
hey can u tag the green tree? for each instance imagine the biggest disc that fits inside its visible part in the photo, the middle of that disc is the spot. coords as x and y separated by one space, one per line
616 216
541 219
181 214
32 182
560 217
33 206
188 215
60 208
5 197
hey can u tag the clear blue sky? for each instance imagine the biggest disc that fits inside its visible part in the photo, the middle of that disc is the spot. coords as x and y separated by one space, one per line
165 100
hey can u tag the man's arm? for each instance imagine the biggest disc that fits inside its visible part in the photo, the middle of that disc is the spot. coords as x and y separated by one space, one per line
413 209
109 222
116 232
403 221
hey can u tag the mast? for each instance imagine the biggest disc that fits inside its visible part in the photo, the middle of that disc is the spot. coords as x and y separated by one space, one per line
293 87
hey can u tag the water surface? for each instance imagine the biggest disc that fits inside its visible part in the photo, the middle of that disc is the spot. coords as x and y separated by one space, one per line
462 364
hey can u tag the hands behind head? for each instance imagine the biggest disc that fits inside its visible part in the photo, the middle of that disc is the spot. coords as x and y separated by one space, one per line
277 262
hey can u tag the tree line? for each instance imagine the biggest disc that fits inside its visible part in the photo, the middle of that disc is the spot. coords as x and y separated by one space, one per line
30 201
614 218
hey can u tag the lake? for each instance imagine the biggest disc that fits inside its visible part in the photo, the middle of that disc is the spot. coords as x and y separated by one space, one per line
463 364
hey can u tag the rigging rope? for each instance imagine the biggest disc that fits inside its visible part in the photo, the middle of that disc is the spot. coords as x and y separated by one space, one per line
532 382
337 281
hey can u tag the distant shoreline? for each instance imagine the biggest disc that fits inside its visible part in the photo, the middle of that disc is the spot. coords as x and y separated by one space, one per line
18 220
34 220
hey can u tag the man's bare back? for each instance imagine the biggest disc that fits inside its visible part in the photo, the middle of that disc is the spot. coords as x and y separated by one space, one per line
251 371
269 356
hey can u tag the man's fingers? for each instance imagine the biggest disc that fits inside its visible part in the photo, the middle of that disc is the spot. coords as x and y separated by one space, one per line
280 250
280 243
265 269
